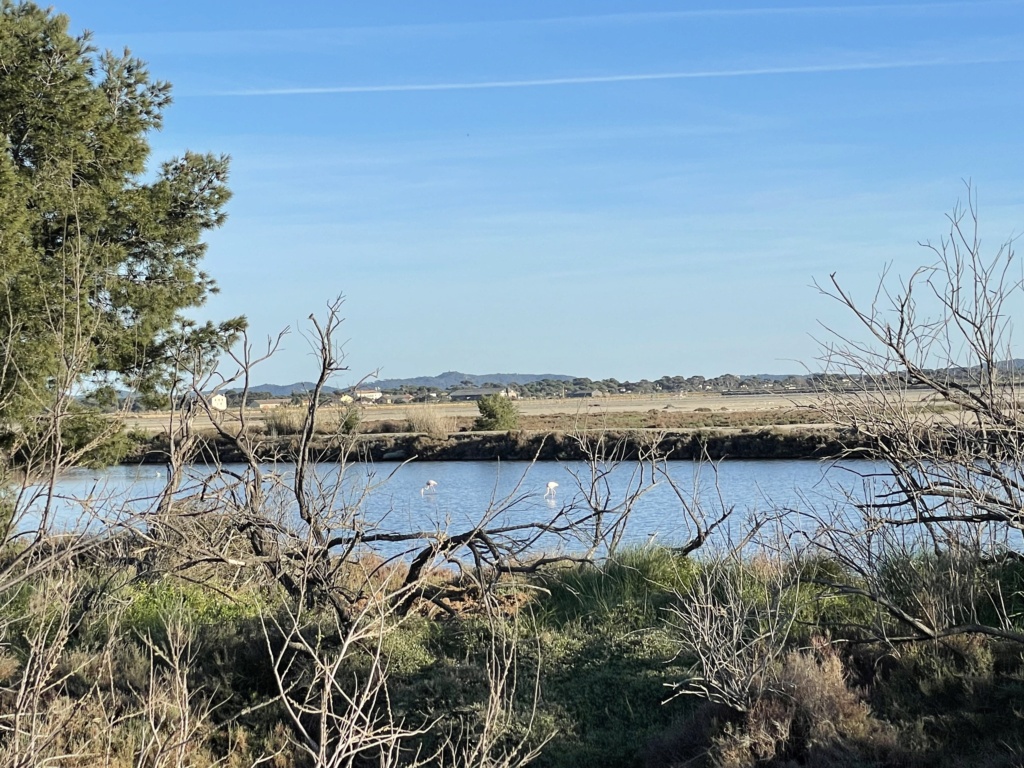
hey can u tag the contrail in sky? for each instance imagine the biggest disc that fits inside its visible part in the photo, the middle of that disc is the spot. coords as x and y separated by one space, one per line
598 79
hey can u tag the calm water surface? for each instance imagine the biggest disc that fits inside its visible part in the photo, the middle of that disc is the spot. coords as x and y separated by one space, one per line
464 490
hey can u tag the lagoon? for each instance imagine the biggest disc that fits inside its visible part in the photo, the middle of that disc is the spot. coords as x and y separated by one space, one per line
465 490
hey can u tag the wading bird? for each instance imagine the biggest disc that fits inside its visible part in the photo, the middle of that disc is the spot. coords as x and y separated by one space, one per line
550 492
429 487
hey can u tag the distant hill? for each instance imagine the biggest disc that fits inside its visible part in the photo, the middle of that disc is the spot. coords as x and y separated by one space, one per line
286 390
1011 365
450 379
443 381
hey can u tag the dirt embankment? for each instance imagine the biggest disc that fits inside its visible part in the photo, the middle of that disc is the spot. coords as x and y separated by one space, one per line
709 425
542 446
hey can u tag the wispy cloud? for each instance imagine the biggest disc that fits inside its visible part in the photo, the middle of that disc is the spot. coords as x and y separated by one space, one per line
605 79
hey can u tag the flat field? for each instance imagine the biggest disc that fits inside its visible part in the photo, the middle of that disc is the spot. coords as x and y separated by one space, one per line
669 411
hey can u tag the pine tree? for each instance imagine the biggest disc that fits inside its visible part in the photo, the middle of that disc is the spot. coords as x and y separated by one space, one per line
98 258
496 412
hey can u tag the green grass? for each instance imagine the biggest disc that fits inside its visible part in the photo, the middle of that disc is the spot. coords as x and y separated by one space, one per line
599 641
632 587
150 604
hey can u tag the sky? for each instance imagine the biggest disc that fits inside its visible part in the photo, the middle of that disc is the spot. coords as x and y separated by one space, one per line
601 189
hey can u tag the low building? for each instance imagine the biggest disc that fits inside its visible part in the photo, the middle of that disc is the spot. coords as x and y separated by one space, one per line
476 393
272 403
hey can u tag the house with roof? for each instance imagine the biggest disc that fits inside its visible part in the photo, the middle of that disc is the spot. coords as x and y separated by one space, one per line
368 395
270 404
470 394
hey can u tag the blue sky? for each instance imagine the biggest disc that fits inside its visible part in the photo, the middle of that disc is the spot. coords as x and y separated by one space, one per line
598 189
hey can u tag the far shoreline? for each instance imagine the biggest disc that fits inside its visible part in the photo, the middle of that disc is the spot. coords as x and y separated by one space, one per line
715 445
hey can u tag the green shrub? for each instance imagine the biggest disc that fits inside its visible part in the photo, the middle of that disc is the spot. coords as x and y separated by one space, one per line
103 440
604 693
956 585
819 609
496 412
151 603
347 421
406 648
634 586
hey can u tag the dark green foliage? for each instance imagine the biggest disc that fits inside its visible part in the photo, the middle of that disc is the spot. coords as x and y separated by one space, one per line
349 423
98 261
604 691
87 438
823 610
98 441
954 703
496 412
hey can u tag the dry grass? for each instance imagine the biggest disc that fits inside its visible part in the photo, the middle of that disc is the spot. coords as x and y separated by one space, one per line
330 421
432 420
816 720
284 421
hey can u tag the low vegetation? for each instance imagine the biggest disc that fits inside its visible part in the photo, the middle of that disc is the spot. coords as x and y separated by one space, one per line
162 671
285 422
429 420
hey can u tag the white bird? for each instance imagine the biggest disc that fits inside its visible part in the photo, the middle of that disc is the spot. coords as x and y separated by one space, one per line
429 487
550 492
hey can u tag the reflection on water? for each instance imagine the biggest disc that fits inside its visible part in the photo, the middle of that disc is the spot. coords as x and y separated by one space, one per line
455 494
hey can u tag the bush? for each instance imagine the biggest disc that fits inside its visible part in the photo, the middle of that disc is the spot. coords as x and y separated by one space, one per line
330 421
632 587
497 412
431 420
284 421
814 718
150 604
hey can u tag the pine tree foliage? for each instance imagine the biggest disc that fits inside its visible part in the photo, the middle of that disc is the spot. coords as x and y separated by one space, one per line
496 412
99 252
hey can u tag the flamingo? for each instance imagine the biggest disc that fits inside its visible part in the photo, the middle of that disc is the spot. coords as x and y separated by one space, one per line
550 492
429 487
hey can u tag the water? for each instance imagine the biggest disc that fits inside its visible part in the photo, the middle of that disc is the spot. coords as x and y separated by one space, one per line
510 492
